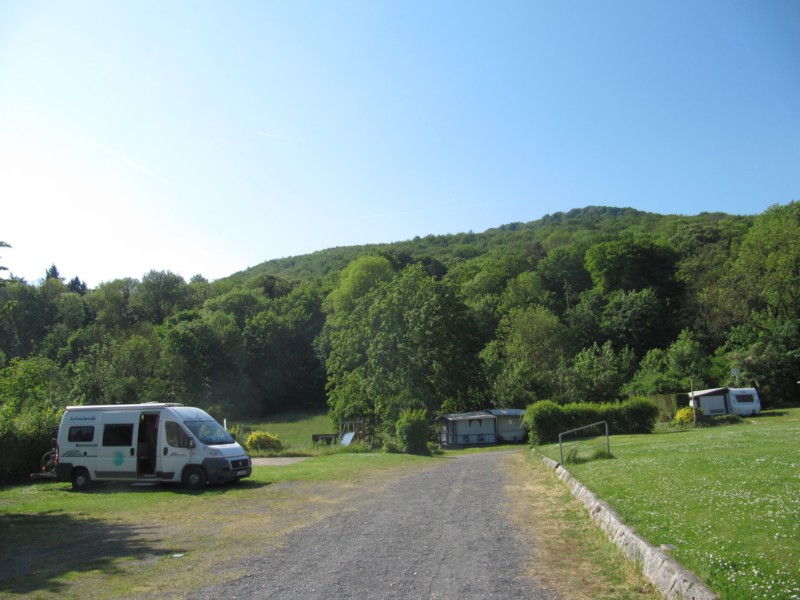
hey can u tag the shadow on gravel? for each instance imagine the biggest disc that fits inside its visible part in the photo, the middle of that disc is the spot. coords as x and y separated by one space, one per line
38 550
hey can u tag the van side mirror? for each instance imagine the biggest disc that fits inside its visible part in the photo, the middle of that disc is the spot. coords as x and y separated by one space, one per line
191 443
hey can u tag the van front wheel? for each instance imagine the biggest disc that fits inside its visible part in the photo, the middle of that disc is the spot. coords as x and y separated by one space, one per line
194 478
81 481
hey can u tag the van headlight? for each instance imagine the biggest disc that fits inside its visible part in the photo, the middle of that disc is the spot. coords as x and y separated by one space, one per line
213 451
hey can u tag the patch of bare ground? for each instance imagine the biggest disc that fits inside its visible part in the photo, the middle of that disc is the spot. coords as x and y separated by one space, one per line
572 556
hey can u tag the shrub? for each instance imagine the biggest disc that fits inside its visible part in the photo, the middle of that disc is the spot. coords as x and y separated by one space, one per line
237 431
30 411
20 453
412 432
546 419
23 439
685 415
639 415
262 441
541 419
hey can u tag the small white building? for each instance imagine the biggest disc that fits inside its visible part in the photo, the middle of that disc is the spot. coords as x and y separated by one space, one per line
467 429
482 427
509 424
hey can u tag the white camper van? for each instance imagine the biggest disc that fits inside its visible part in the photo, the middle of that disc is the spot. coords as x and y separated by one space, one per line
722 401
149 442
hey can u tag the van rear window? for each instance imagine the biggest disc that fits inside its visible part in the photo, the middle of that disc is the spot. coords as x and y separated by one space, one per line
84 433
118 435
745 398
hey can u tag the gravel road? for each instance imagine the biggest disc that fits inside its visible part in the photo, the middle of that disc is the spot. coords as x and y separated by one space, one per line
440 533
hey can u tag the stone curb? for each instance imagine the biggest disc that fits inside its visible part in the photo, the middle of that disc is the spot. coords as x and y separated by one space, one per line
664 572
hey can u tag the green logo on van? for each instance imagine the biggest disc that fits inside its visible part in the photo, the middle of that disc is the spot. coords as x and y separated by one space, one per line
118 458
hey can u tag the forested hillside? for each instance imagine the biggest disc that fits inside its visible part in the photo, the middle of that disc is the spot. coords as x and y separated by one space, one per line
595 304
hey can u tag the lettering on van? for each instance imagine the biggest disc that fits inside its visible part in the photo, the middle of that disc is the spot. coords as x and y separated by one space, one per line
82 418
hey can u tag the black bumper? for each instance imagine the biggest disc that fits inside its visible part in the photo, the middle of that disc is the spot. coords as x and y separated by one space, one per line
219 470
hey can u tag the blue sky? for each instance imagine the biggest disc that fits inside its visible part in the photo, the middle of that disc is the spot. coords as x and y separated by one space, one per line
205 137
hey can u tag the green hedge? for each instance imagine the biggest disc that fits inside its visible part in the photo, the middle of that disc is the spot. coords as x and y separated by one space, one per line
546 419
24 438
20 454
412 432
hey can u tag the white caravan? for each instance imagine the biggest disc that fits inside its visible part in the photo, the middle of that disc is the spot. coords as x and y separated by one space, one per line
722 401
149 442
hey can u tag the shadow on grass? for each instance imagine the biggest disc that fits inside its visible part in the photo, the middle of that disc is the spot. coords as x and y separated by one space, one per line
39 550
772 413
119 487
666 430
578 456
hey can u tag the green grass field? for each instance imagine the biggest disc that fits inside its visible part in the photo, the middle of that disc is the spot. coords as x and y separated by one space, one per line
727 498
293 428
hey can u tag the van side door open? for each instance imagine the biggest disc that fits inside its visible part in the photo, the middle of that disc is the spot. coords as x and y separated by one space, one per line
175 448
147 446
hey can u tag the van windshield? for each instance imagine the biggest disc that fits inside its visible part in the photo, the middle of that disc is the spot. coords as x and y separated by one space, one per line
209 432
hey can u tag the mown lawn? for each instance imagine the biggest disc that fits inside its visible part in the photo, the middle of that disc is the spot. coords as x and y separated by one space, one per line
293 428
727 498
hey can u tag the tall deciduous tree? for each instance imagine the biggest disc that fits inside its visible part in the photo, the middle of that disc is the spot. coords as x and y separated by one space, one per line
636 319
563 273
597 374
2 268
111 303
407 344
523 361
281 360
683 365
355 281
633 263
766 350
768 265
159 295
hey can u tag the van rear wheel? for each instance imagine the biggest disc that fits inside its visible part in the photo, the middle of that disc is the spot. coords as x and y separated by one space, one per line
194 478
81 480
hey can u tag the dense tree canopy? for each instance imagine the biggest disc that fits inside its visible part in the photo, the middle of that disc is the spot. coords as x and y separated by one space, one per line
593 304
407 344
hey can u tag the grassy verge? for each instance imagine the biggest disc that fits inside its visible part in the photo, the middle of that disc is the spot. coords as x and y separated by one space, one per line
726 498
572 556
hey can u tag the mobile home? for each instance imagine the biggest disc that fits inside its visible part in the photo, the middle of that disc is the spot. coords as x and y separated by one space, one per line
467 429
509 427
482 427
722 401
151 442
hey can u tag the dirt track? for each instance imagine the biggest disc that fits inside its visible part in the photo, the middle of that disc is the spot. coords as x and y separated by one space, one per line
441 533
